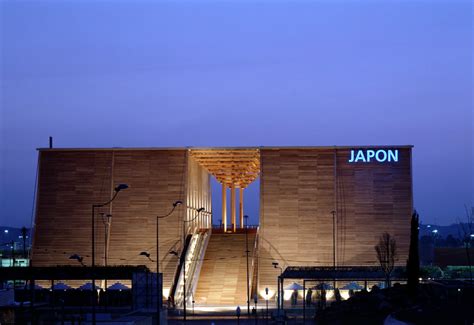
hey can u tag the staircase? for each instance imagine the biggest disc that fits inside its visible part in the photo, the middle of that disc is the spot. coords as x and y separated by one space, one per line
223 276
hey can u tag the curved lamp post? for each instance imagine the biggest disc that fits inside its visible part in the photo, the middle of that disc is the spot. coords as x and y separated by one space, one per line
94 206
147 255
106 221
280 287
77 258
334 246
266 301
158 293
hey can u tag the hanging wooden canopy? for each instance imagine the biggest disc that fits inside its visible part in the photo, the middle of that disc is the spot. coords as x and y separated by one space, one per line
238 167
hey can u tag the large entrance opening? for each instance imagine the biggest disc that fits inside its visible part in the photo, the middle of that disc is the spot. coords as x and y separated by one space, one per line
235 185
228 271
251 202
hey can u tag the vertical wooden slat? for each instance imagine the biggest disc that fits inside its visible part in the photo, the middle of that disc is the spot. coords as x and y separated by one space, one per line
299 189
241 207
232 207
224 207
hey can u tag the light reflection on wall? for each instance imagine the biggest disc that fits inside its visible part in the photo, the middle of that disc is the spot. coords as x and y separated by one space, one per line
287 294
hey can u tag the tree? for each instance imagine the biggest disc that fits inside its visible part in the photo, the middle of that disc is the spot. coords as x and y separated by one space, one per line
386 251
413 262
451 241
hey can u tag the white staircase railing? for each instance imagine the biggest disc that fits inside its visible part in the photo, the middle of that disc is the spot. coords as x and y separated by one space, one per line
193 262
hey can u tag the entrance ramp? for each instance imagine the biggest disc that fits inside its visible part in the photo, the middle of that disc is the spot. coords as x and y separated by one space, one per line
223 276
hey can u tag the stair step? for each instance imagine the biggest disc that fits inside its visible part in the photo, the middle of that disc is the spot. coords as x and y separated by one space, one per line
223 276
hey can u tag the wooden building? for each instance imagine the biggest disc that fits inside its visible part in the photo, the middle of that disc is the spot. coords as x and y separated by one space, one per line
314 199
319 206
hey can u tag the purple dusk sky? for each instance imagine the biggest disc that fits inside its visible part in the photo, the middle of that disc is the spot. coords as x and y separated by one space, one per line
238 73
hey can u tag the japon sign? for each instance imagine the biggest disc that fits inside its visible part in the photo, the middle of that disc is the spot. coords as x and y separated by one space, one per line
369 155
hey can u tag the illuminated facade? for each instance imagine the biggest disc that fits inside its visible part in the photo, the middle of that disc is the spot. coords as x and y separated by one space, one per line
319 206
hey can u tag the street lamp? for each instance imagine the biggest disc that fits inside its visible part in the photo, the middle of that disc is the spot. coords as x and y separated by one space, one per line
266 300
280 290
147 255
175 204
435 235
334 246
94 206
247 257
77 258
158 292
255 300
106 221
237 311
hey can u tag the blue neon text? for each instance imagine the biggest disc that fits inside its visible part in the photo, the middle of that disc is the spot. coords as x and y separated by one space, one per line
369 155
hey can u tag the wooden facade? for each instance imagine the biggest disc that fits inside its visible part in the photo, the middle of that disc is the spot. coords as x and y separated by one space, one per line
198 196
70 181
300 189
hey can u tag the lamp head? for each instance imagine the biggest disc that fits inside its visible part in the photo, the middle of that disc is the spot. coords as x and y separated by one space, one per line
200 210
275 264
175 204
246 216
121 187
174 253
77 258
146 254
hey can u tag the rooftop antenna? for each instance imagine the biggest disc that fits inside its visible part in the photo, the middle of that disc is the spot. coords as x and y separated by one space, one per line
50 142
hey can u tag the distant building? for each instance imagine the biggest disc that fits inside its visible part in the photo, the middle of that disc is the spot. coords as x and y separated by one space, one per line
14 250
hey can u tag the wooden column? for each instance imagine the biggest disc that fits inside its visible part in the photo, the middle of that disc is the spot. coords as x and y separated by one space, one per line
241 207
232 207
224 207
